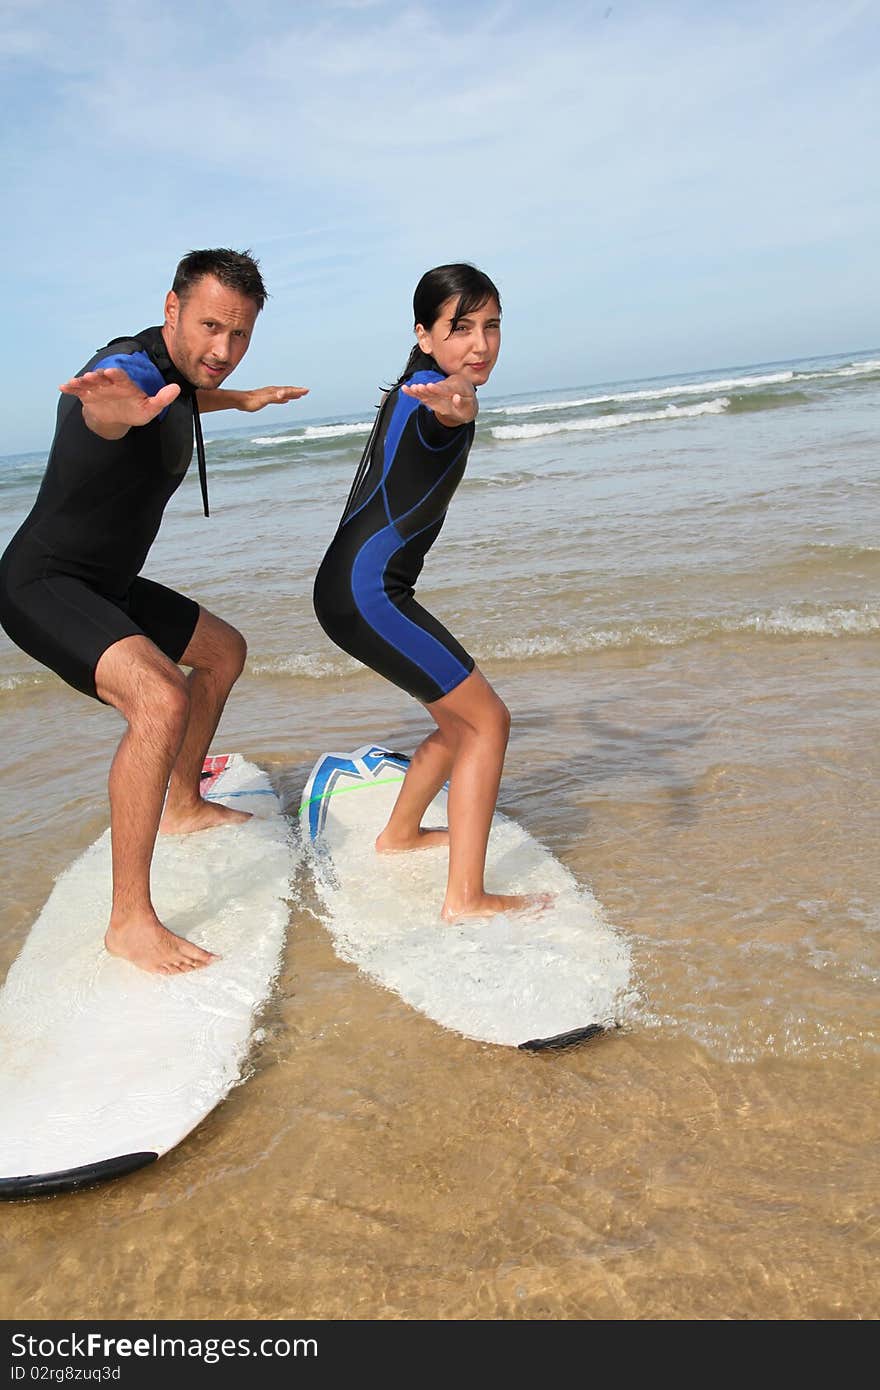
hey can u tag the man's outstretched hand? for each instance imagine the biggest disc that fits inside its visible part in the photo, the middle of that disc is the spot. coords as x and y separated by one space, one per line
271 395
112 403
220 398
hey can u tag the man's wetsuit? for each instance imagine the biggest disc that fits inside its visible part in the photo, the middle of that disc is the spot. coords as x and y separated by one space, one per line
364 587
69 579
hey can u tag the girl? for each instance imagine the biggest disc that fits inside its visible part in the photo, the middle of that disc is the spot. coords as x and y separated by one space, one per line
413 462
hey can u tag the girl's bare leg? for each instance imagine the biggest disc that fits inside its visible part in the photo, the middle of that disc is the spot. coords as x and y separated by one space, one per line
475 725
428 770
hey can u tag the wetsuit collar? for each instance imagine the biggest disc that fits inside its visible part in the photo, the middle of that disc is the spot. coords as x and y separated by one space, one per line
421 363
154 344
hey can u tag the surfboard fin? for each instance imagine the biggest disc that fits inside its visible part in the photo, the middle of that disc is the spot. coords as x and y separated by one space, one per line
71 1179
561 1040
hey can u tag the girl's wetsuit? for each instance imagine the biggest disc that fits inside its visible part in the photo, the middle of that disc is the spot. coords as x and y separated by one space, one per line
364 588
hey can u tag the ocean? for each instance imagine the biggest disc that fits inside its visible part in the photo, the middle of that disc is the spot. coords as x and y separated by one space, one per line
675 586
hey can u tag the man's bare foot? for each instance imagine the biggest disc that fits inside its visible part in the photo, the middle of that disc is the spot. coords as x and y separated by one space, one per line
202 816
423 839
151 947
492 904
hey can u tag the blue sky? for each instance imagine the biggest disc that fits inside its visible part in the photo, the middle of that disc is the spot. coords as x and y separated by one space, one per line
655 187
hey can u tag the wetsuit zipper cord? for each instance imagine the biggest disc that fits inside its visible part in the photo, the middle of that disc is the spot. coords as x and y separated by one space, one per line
200 451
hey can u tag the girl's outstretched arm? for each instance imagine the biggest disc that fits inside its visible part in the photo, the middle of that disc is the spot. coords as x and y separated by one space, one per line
453 401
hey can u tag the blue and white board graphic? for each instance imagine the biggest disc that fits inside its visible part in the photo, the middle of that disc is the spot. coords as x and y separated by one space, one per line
104 1067
533 980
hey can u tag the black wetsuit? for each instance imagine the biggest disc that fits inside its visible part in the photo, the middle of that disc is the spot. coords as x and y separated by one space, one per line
364 587
69 580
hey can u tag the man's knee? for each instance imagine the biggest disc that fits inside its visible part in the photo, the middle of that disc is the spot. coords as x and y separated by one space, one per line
237 652
161 698
229 655
147 693
218 648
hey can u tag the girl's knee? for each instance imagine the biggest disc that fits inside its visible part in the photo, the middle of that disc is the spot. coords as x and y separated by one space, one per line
500 720
493 714
473 709
491 720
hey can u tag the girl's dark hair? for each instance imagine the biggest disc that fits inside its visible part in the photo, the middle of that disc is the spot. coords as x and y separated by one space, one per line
471 286
237 270
435 287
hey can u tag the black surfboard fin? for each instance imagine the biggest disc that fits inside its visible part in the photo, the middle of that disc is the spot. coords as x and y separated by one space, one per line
71 1179
563 1040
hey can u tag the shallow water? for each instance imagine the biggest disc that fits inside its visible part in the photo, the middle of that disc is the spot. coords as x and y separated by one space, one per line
683 624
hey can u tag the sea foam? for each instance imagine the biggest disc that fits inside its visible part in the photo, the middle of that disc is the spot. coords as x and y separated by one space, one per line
610 422
694 388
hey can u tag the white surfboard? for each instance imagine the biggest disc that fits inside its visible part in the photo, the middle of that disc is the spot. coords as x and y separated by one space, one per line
540 980
103 1067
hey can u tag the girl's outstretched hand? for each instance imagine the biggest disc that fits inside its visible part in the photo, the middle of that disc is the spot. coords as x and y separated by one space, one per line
453 401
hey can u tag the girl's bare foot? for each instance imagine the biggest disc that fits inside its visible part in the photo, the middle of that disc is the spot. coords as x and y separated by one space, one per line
492 904
387 843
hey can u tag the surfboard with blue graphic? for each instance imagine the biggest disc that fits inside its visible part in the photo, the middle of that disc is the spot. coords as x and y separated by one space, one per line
536 980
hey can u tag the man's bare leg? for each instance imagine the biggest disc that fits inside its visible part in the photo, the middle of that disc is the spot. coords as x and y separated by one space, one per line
429 768
476 725
216 653
151 694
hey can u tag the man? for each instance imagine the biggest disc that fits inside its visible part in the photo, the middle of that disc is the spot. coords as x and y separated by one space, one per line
71 593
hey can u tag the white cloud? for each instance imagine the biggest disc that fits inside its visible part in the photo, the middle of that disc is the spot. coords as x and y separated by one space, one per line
572 121
591 155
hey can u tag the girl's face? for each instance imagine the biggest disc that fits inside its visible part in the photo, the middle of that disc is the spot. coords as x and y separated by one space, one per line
470 348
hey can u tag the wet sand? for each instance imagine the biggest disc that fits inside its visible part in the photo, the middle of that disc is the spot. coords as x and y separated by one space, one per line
714 1158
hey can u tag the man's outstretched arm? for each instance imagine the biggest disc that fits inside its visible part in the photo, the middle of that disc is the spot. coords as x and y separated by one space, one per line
112 403
220 398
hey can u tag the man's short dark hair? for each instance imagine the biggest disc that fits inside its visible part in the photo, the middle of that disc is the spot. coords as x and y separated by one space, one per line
237 270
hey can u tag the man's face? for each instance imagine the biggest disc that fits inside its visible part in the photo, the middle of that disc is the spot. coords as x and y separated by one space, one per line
208 332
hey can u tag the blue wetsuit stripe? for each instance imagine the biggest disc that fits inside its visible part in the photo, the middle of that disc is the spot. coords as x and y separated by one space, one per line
136 365
403 408
139 367
364 590
402 516
402 411
387 620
